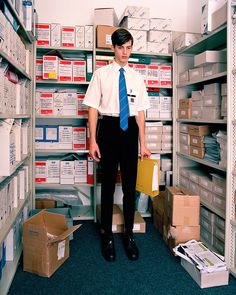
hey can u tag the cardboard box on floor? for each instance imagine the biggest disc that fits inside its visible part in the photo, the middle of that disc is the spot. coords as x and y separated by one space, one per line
45 243
118 220
206 280
158 211
182 206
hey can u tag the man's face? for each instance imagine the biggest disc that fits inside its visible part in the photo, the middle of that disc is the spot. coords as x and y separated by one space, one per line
122 53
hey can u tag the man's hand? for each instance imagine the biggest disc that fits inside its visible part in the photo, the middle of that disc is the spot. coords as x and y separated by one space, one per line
144 152
94 151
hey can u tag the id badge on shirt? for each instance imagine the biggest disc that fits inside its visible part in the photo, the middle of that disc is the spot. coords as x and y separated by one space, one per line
131 97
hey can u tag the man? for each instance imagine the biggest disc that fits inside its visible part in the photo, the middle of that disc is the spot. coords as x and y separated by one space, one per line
119 94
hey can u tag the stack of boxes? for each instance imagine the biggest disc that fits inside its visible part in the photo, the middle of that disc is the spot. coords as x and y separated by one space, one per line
14 191
150 34
69 169
176 213
192 139
212 230
210 187
206 64
10 42
55 35
54 68
60 104
15 145
160 106
61 137
205 103
158 137
214 14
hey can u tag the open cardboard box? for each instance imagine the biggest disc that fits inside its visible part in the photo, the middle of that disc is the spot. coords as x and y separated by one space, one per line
206 280
45 242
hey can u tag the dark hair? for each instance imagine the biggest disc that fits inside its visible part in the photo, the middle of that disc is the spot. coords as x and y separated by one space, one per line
121 36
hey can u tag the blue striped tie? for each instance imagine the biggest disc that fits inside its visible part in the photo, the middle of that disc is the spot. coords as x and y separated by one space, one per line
124 105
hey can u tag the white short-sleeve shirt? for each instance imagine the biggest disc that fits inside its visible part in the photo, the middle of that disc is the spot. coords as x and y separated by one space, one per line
103 91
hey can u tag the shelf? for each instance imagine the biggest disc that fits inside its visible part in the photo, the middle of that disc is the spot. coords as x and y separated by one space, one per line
162 152
9 272
11 218
44 49
59 117
158 119
214 210
12 116
28 36
215 40
57 151
158 86
61 186
17 67
202 161
205 79
18 165
82 212
202 121
52 82
165 56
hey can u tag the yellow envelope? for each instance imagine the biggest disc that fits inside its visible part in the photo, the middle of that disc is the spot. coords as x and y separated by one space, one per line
148 177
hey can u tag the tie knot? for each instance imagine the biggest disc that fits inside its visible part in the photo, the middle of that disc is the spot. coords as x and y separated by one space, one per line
122 70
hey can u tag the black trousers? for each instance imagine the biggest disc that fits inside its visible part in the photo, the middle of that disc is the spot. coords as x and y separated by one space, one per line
118 146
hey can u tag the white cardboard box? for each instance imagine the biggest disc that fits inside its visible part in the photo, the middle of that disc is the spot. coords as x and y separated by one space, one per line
105 16
53 171
134 23
50 67
206 280
65 137
160 24
208 8
55 35
67 36
8 147
79 36
67 172
43 34
210 56
65 70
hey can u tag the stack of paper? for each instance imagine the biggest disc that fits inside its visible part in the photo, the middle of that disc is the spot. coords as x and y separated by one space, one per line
199 255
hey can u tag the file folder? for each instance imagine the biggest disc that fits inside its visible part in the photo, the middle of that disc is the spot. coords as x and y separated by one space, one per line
148 177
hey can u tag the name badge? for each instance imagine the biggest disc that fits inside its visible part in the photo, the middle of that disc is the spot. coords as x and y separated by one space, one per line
131 97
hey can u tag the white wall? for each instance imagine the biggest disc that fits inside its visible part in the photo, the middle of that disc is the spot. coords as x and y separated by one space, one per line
184 13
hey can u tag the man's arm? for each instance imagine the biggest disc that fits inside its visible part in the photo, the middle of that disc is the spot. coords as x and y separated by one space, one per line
144 152
93 147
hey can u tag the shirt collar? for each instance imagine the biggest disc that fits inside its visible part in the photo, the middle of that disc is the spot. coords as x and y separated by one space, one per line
117 67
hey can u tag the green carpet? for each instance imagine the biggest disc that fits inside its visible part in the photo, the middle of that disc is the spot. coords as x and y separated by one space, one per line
86 272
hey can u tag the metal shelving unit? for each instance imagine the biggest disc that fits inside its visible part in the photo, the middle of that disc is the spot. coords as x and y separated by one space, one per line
202 161
230 233
205 79
73 120
223 37
9 269
57 151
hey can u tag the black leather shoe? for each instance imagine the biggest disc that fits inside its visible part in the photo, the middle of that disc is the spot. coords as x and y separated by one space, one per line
131 248
108 247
